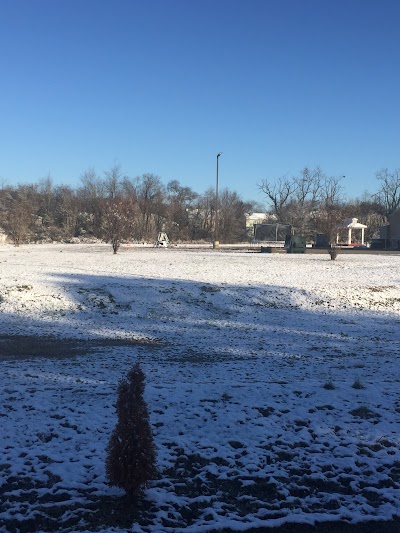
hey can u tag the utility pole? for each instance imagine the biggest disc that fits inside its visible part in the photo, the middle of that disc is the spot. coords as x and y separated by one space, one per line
216 226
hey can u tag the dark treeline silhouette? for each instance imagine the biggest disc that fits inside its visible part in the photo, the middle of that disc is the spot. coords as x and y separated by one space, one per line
117 208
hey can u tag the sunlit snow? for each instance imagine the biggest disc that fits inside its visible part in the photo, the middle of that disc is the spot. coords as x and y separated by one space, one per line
272 381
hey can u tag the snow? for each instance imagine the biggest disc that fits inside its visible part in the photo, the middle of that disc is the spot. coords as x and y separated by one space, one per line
238 350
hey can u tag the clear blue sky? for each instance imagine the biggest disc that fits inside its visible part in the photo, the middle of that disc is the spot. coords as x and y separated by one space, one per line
162 86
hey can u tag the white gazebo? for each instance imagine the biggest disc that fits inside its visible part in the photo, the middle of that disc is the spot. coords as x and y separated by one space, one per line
352 224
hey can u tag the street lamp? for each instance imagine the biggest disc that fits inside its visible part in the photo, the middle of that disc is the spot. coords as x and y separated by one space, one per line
216 228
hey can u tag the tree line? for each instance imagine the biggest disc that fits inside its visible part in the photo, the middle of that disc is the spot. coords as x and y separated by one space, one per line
313 202
117 208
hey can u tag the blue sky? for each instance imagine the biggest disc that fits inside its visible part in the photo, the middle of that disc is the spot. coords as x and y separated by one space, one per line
162 86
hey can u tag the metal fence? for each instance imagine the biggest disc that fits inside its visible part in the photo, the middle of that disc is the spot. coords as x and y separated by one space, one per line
271 232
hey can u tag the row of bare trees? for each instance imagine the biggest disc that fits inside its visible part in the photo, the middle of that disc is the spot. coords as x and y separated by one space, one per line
117 208
313 202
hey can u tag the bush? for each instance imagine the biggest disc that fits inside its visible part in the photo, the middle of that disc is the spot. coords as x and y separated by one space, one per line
131 455
333 252
357 384
329 385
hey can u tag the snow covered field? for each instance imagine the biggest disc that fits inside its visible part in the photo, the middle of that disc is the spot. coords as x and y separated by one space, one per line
273 385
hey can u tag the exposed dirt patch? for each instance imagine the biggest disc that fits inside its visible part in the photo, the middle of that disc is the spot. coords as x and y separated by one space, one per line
26 346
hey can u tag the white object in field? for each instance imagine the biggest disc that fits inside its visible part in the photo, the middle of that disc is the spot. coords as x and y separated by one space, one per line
162 240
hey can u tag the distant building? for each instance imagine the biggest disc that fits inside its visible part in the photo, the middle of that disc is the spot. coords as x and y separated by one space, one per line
391 232
253 219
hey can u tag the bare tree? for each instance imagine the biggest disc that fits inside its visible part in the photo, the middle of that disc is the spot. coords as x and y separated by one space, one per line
332 190
389 192
308 186
294 200
113 181
17 217
66 210
129 189
330 213
327 220
91 195
279 193
150 195
117 222
232 213
92 186
46 193
202 215
129 193
180 201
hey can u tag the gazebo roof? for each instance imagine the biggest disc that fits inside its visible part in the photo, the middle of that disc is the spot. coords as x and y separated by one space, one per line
352 223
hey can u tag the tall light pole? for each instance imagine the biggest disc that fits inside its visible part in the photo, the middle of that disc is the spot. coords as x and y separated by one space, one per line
216 228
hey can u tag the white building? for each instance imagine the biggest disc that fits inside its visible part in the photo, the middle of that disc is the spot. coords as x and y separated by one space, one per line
391 232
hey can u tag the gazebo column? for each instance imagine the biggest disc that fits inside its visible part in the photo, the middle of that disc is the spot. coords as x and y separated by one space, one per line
362 235
349 239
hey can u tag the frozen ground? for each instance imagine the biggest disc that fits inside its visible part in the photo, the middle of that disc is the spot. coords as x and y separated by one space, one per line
272 381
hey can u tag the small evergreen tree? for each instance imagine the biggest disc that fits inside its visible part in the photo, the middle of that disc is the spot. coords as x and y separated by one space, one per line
131 453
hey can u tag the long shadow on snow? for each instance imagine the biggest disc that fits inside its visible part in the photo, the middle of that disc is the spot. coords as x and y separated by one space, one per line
200 322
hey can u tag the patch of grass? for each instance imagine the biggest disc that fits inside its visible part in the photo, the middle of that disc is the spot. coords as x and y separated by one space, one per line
301 423
357 384
265 411
69 426
20 346
22 288
236 444
209 288
194 357
47 437
363 412
381 288
226 397
46 459
282 455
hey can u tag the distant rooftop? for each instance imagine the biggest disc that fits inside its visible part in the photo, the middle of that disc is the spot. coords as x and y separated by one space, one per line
256 216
